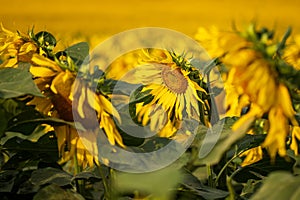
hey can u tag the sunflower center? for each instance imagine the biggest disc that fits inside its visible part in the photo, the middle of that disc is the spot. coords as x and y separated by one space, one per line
174 80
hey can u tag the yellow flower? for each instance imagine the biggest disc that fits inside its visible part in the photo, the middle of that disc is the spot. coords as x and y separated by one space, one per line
174 93
56 89
252 156
235 100
70 144
292 53
62 91
279 129
217 42
64 94
44 71
15 48
252 81
295 138
87 102
74 94
122 65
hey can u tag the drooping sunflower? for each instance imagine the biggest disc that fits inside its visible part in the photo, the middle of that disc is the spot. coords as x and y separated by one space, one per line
174 96
18 48
254 64
69 95
55 75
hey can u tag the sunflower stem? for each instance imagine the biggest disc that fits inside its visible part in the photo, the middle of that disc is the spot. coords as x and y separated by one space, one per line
214 116
230 188
79 183
224 167
104 181
194 156
210 176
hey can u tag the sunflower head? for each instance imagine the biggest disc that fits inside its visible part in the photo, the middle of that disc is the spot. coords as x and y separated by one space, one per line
174 80
173 88
259 79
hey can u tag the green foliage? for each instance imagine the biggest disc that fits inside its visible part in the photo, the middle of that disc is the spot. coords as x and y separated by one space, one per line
54 192
286 187
78 52
17 82
209 169
214 142
158 184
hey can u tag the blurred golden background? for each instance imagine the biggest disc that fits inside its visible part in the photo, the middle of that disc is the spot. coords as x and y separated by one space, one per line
104 18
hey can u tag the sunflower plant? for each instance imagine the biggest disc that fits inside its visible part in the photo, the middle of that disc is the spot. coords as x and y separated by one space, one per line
54 103
261 84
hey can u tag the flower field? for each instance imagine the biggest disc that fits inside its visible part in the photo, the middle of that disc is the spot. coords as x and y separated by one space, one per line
106 110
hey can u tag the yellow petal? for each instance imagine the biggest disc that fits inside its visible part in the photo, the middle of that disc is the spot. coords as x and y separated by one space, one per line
109 108
43 61
81 102
42 71
295 137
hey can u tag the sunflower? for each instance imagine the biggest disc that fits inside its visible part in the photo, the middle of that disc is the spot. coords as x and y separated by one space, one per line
122 65
217 42
57 81
69 96
10 46
295 137
174 96
252 82
57 89
18 48
252 156
87 102
292 53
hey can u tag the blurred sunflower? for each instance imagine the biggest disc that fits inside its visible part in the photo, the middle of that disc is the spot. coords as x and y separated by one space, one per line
292 53
295 138
252 82
174 95
122 64
252 156
217 42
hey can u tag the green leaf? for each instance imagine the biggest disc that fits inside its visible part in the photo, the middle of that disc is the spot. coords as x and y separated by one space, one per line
18 161
30 119
33 137
246 142
159 183
7 179
16 125
44 149
193 185
251 187
154 144
296 167
111 86
279 185
87 176
54 192
78 52
262 168
208 192
8 109
138 96
213 143
17 82
52 176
